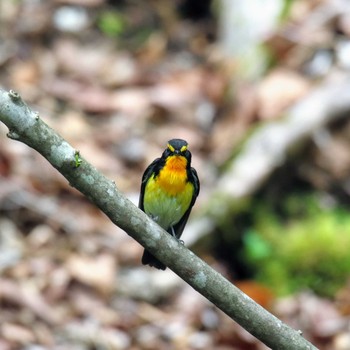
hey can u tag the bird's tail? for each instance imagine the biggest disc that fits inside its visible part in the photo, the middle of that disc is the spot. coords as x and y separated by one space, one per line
149 259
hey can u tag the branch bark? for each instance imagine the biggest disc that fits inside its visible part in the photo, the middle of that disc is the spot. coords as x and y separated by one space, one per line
26 126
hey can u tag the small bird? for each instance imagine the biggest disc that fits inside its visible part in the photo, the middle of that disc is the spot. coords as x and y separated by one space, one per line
169 189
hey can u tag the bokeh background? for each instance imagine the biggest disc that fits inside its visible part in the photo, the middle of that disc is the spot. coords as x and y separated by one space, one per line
252 86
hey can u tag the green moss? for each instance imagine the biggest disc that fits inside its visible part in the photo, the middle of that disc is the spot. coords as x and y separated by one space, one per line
307 247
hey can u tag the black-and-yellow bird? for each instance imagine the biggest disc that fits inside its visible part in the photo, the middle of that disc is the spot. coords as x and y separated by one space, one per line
169 189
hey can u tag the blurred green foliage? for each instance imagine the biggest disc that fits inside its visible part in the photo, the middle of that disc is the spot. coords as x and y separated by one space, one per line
308 247
287 4
112 23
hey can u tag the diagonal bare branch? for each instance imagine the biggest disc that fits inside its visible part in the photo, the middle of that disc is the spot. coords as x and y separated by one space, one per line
26 126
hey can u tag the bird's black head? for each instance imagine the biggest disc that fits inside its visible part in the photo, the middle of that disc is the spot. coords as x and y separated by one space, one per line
177 147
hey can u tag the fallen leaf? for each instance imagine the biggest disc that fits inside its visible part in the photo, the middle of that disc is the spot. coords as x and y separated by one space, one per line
98 272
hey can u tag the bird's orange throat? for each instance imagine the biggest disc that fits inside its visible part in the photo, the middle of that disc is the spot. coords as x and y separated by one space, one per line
176 164
173 177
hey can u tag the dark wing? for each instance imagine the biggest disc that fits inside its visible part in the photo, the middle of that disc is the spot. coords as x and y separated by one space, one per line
146 175
180 226
154 167
196 185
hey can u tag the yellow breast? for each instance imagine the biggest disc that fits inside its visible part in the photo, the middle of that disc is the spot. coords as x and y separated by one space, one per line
168 196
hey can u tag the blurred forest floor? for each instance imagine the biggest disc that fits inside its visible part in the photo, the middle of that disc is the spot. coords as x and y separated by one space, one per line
119 79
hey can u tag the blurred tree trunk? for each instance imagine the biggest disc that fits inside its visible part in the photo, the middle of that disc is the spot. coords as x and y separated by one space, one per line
243 25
